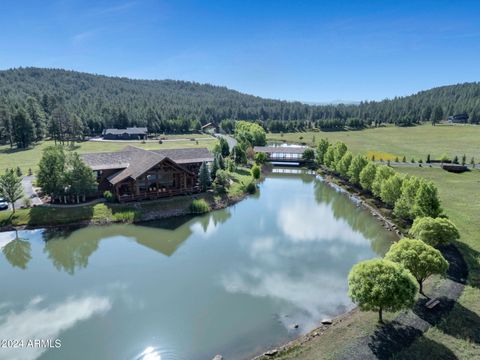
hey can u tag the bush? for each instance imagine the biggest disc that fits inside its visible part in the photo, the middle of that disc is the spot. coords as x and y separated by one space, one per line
260 158
251 188
27 202
124 216
255 172
199 206
221 182
108 196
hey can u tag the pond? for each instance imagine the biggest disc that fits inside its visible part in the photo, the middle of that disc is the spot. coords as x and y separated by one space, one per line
232 282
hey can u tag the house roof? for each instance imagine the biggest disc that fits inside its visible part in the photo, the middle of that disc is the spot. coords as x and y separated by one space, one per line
128 130
133 161
187 155
280 149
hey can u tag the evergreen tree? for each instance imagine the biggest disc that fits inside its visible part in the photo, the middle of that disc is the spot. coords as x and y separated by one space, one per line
204 177
23 129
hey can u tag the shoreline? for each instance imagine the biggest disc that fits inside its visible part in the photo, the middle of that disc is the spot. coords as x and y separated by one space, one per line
149 216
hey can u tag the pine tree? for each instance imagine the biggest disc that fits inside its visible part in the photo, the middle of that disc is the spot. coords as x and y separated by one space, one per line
204 177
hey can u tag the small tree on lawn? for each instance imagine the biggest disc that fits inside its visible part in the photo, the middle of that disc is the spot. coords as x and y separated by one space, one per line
404 205
382 174
464 159
391 189
11 188
204 177
378 285
367 176
428 159
321 150
357 165
472 162
434 232
344 164
426 200
421 259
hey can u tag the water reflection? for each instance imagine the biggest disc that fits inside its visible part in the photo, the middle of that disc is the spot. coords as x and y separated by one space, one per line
16 250
245 275
45 322
70 249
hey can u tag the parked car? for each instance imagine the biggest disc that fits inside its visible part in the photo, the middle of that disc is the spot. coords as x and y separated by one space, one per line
3 204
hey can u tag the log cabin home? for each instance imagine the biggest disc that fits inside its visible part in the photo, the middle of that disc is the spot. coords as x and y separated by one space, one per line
134 174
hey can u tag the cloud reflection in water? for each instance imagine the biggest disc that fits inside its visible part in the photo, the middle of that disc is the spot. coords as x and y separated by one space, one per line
48 322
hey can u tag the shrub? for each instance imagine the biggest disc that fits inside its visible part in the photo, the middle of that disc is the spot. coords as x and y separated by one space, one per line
108 196
199 206
251 188
255 172
221 182
124 216
260 158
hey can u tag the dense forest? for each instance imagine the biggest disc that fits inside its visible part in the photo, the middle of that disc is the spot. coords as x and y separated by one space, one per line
67 105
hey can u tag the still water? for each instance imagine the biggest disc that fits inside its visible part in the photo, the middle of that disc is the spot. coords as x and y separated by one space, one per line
232 282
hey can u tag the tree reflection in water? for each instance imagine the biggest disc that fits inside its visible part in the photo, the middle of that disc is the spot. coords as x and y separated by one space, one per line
17 252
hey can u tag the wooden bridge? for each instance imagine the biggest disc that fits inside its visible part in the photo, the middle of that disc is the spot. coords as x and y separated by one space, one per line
283 154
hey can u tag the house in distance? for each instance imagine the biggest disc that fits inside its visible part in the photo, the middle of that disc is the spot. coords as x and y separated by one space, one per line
130 133
136 174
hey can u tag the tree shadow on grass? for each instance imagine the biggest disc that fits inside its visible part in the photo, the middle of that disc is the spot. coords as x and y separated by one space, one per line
425 348
470 257
461 322
458 268
398 341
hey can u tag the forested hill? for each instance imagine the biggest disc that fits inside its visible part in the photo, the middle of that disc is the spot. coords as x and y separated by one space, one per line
65 104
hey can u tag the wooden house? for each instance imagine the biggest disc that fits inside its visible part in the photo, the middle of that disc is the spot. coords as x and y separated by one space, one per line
137 174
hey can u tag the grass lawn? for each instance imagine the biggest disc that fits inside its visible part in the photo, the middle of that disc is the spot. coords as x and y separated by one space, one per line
29 158
460 197
413 142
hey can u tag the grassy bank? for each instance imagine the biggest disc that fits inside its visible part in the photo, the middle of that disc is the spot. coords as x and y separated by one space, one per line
459 332
103 213
412 142
29 158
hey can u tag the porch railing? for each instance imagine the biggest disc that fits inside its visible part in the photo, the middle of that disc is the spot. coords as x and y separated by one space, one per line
162 193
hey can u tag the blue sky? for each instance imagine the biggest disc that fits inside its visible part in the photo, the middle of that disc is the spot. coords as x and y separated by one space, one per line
294 50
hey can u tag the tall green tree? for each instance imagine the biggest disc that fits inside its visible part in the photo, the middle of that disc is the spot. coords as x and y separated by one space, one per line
367 176
51 172
38 117
382 174
381 285
343 164
391 189
404 206
79 177
204 177
23 129
421 259
321 150
358 164
427 202
11 188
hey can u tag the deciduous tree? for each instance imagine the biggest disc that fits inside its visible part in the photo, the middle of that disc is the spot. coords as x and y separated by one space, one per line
11 188
378 285
420 258
434 231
